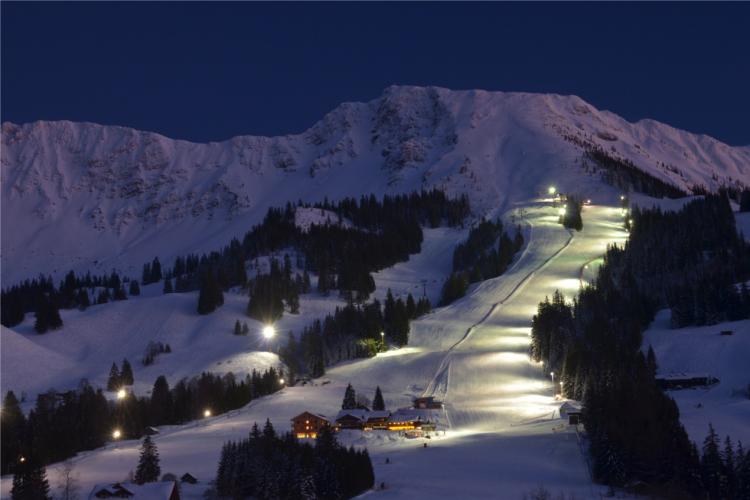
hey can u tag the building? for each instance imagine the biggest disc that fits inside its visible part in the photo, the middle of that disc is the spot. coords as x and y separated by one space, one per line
307 425
161 490
675 381
362 419
406 420
427 403
572 411
188 478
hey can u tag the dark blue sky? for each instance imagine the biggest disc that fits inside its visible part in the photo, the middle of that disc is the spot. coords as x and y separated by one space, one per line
210 71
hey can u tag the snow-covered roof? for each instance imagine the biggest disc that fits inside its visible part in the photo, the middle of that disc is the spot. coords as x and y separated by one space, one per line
363 414
682 376
570 407
160 490
403 415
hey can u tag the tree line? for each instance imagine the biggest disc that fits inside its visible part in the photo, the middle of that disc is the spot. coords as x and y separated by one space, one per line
352 331
41 296
480 258
268 466
594 343
63 424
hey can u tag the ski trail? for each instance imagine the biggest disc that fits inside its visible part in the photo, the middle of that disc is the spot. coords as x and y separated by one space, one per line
441 378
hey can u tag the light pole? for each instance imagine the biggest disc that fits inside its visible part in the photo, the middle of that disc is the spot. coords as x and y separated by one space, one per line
552 374
382 341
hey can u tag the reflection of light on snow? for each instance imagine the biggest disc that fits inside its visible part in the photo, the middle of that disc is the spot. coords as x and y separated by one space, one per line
501 358
398 352
567 284
512 341
524 386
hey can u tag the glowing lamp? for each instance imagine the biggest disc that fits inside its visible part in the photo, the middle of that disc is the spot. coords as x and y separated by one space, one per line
207 413
116 434
269 331
122 394
281 381
561 211
552 190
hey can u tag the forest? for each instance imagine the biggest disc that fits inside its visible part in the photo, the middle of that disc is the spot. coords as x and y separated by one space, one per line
594 343
268 466
486 253
62 424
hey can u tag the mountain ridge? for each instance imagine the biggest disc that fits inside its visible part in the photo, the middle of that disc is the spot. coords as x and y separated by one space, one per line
140 194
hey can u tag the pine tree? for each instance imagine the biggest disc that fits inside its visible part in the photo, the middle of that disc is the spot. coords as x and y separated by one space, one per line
210 296
350 398
155 270
114 381
12 424
148 469
126 373
711 465
237 328
30 482
168 288
134 288
161 402
377 403
245 328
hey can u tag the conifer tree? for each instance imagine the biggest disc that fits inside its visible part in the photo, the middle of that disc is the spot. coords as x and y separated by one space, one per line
350 398
126 373
155 270
114 381
134 288
12 424
377 403
168 288
30 482
237 328
148 469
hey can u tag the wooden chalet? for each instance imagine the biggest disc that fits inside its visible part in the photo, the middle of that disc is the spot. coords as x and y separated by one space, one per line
161 490
307 425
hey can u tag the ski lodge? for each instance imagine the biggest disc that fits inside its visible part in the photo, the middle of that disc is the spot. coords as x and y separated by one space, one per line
161 490
307 425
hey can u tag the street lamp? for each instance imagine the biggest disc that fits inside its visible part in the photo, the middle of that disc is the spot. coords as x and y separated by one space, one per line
281 381
207 413
116 434
561 211
382 340
552 374
551 190
269 331
122 394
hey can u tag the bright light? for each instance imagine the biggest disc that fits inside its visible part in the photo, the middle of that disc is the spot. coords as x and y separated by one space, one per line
631 222
22 459
552 190
622 197
562 211
281 381
207 413
122 394
269 331
116 434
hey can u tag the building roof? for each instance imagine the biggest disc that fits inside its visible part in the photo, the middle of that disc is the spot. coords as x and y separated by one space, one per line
403 415
304 413
569 407
161 490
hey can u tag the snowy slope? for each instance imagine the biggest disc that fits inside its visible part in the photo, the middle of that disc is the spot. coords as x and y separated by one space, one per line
703 350
138 194
501 422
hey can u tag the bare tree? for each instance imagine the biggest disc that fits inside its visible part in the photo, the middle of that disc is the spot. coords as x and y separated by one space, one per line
68 482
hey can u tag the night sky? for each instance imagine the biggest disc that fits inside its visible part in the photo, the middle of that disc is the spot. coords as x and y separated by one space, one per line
205 72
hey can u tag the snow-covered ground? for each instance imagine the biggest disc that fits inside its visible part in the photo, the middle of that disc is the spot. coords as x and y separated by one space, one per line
500 417
702 350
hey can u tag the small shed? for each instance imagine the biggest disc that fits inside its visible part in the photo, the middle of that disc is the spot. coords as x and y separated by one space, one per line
188 478
572 411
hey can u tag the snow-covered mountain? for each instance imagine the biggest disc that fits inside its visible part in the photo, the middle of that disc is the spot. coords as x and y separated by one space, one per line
86 196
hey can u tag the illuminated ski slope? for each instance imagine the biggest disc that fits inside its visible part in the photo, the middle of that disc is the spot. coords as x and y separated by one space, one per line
499 438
